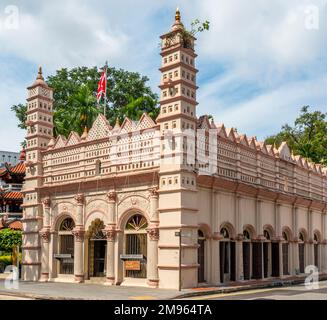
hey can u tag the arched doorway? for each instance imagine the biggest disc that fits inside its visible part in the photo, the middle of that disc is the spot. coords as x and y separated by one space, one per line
226 257
97 249
135 247
201 257
285 252
66 246
302 252
246 255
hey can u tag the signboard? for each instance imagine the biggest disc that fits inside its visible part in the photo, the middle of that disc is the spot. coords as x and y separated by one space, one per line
62 255
132 265
132 257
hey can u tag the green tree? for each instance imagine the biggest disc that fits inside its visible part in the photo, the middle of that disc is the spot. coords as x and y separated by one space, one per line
307 137
9 239
81 113
74 94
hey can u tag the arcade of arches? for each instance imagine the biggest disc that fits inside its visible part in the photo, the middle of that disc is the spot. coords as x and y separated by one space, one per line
128 250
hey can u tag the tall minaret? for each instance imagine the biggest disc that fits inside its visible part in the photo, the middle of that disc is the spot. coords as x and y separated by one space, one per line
178 95
177 176
39 132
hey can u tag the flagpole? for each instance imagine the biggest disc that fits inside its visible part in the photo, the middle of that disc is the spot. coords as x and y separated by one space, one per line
105 93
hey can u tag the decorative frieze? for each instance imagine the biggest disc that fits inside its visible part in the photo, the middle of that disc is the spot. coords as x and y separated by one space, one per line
80 199
79 234
153 232
46 202
154 192
112 196
110 233
45 235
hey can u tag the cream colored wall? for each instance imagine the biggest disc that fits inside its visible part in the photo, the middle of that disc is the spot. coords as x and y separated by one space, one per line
286 216
226 206
268 213
302 219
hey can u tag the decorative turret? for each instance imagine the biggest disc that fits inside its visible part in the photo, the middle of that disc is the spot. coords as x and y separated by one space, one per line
39 134
178 125
178 90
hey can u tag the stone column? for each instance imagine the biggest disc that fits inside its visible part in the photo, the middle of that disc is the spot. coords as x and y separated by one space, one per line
152 258
239 274
323 245
79 234
154 203
311 251
295 257
295 243
45 236
110 232
153 238
280 247
216 256
239 240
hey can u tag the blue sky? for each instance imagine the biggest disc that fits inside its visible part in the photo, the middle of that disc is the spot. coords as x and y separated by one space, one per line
261 61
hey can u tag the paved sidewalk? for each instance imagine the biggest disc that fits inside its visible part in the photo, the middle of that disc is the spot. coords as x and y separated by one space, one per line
86 291
70 291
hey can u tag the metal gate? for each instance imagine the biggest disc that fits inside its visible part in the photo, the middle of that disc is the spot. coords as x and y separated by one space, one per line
301 257
136 244
99 247
201 257
67 247
285 258
246 260
266 258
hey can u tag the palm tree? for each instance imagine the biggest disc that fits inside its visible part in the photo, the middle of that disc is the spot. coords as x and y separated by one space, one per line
81 113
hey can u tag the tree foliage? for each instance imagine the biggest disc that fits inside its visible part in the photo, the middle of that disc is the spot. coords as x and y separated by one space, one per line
75 103
307 137
9 239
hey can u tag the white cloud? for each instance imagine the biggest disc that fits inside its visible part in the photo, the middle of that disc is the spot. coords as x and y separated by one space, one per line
269 63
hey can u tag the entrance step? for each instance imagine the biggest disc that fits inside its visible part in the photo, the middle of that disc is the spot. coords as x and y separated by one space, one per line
134 282
96 280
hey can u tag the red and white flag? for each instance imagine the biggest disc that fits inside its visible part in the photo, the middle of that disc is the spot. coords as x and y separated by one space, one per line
102 86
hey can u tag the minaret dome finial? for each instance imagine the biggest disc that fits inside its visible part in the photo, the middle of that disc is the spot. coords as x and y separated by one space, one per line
39 75
178 15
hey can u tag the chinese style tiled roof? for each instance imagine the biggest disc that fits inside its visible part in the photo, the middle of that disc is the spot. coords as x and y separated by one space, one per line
13 195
